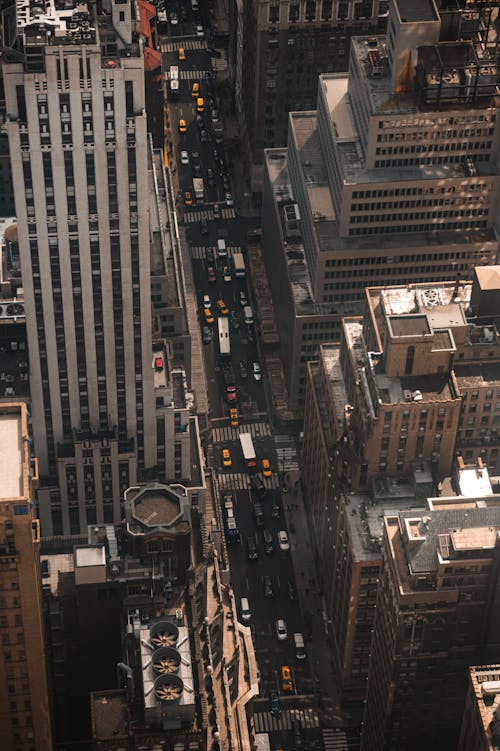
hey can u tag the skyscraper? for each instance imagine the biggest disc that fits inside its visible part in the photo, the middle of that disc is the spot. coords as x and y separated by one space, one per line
76 124
394 175
24 700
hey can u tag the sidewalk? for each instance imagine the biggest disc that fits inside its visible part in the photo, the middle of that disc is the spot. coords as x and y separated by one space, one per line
319 652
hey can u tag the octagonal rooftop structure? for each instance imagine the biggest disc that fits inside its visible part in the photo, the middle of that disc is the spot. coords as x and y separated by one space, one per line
154 506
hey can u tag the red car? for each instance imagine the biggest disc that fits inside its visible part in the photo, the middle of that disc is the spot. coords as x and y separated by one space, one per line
211 276
231 394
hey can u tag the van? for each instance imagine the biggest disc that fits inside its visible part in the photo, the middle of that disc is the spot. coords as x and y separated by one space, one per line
300 650
246 615
221 249
248 313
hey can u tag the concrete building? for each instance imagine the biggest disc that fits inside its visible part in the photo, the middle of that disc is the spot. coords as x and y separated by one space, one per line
109 374
25 721
277 49
481 720
393 176
436 614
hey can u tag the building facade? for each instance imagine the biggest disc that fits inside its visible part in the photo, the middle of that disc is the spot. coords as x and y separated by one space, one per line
25 721
277 49
388 178
481 720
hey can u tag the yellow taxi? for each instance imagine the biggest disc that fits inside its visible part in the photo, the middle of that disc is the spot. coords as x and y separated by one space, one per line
182 54
233 417
266 468
208 316
195 90
183 126
200 104
286 679
188 198
222 307
226 458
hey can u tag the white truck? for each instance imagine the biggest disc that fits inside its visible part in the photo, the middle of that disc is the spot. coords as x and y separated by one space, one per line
238 263
199 189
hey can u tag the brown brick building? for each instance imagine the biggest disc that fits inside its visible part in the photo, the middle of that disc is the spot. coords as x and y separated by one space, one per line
481 724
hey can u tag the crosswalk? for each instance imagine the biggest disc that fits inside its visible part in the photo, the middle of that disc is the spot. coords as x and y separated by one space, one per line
199 252
192 75
287 458
334 739
187 44
265 722
226 433
198 214
241 481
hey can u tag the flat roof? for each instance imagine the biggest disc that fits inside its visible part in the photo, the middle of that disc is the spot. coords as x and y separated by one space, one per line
411 11
90 556
11 460
154 507
409 325
488 277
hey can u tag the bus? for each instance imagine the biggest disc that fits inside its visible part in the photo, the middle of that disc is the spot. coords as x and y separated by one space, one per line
248 450
230 523
224 340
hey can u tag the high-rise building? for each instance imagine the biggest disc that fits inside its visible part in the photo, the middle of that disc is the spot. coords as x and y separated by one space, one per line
277 49
436 614
481 720
24 700
394 175
74 115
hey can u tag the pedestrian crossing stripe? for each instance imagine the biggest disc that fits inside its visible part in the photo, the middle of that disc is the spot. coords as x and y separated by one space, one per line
198 214
241 481
200 252
226 433
192 75
265 722
186 44
334 739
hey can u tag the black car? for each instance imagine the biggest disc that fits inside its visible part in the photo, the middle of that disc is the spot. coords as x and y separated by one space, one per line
274 704
207 335
210 178
226 183
275 510
204 227
292 592
197 169
250 334
258 512
297 734
203 136
252 550
257 485
210 256
268 586
200 122
268 542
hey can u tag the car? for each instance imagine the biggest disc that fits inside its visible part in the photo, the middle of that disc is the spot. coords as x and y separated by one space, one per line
226 274
266 468
195 156
235 322
210 178
222 307
184 157
233 417
281 631
257 373
182 126
181 53
268 542
197 169
275 510
200 104
210 256
209 318
243 370
257 485
243 299
188 198
217 211
173 19
183 13
204 227
200 121
200 33
231 394
213 52
207 303
206 335
283 540
252 550
258 513
226 185
229 199
250 334
215 153
286 679
195 90
267 583
274 704
297 735
211 275
214 115
226 458
204 136
292 592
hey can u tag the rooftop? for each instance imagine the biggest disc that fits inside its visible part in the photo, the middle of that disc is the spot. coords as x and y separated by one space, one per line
156 507
485 681
90 555
110 716
11 455
411 11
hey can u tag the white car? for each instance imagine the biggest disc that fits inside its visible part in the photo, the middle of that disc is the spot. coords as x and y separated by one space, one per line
283 541
184 157
243 299
281 631
229 199
173 19
226 274
207 303
200 32
257 373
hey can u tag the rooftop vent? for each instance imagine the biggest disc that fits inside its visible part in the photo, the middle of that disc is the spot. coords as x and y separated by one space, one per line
166 660
164 634
417 396
168 688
